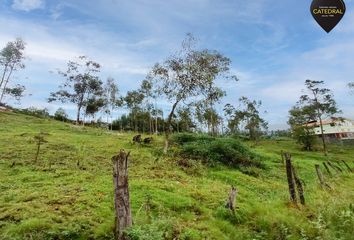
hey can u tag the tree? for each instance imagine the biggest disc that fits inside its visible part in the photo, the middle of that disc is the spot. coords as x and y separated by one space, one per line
93 105
205 110
185 121
39 139
16 92
147 90
249 116
320 101
111 97
81 84
351 86
302 131
11 60
61 115
186 75
206 114
133 101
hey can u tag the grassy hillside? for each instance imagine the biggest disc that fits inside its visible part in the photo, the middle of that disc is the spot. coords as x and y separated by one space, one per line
68 192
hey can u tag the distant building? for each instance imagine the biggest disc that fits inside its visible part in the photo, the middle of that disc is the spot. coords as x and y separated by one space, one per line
334 128
4 109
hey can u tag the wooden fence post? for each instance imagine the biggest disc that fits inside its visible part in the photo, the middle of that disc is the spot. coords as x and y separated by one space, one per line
289 174
337 165
326 167
332 166
123 217
282 157
299 186
230 204
349 169
320 176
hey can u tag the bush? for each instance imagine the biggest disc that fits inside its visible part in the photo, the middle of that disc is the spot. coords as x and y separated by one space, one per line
184 138
61 115
228 151
32 111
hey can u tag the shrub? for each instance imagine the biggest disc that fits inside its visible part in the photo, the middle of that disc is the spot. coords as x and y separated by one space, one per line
61 115
32 111
184 138
228 151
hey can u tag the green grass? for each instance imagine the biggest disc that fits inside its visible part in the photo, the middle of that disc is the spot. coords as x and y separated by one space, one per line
55 198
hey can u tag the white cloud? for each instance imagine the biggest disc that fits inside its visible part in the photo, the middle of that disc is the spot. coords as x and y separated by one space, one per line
27 5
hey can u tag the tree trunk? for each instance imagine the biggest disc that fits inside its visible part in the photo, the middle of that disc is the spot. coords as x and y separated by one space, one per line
168 126
289 174
5 84
78 115
123 217
3 75
323 138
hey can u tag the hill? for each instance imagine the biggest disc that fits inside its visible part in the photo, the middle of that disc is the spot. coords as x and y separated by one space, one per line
68 192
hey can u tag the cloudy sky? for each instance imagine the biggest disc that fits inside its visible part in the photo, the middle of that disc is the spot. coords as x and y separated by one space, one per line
274 45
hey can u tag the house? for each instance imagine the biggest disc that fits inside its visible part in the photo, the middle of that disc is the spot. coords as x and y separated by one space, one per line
334 129
4 109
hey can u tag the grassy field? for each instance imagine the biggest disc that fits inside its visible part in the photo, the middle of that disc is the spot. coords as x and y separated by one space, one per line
68 192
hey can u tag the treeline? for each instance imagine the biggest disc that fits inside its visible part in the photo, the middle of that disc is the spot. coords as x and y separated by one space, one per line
187 80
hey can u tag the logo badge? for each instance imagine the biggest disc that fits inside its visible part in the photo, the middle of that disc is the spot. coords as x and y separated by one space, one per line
327 13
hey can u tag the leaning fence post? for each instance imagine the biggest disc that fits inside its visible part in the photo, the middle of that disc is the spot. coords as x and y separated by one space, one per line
349 169
320 176
327 169
337 165
289 174
123 217
282 156
332 166
299 186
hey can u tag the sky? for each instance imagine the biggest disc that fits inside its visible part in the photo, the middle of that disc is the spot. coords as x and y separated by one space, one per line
274 45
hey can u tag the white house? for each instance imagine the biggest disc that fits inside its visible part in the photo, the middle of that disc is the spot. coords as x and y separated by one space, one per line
334 128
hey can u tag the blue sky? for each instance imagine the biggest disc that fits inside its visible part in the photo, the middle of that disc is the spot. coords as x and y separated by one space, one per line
274 45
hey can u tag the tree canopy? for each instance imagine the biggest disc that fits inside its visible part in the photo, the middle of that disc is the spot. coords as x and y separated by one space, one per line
82 86
188 74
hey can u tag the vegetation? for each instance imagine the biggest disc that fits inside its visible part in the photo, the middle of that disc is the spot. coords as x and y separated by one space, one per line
57 198
301 130
351 86
320 103
61 115
248 116
11 60
212 150
56 178
81 87
187 75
